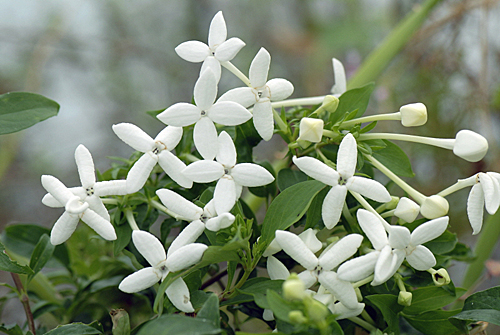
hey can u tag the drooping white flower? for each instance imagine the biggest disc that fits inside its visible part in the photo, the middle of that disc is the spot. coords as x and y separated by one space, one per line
335 306
161 264
407 209
484 193
341 180
340 85
90 191
260 94
218 49
320 269
229 175
75 209
204 114
470 145
155 150
413 115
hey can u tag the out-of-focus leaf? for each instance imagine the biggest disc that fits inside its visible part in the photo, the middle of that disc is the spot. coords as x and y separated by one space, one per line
388 305
74 329
6 264
176 324
434 322
355 99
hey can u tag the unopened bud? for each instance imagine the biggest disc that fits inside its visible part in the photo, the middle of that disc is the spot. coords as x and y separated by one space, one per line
470 146
311 129
293 288
330 103
434 207
413 115
407 210
440 277
297 317
316 311
404 298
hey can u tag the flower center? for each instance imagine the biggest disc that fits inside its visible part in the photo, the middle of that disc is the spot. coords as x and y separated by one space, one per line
317 270
342 180
159 146
89 191
203 113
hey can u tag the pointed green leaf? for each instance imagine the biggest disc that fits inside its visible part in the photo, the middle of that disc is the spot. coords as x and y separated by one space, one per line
11 329
388 305
74 329
480 306
288 177
434 322
394 159
41 254
210 310
6 264
355 99
430 298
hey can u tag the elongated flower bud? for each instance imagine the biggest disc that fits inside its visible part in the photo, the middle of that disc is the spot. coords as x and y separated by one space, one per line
470 146
434 207
407 210
293 288
413 115
311 129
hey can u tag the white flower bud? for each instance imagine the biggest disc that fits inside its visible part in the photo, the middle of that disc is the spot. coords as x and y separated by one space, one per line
404 298
315 310
434 207
413 115
470 146
440 277
311 129
330 103
407 210
293 288
297 317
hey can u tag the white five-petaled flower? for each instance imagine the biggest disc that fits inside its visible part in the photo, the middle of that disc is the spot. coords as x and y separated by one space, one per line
155 151
229 175
484 193
204 114
260 94
335 306
218 49
390 251
340 85
320 269
75 209
90 191
341 180
161 264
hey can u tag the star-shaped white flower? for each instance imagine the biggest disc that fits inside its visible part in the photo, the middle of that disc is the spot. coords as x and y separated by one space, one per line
390 251
320 269
335 306
260 94
161 264
229 175
218 49
341 180
75 209
90 191
204 114
484 193
155 151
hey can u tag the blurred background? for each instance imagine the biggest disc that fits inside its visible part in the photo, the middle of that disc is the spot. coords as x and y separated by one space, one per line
107 62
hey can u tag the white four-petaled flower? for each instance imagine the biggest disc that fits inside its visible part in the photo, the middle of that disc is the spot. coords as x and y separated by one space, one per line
484 193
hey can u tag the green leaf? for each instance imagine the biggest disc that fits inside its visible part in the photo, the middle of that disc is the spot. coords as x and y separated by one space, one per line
266 190
21 110
280 307
41 254
388 305
210 311
288 207
434 322
480 306
351 100
315 210
74 329
121 322
259 287
288 177
176 324
11 329
430 298
6 264
394 159
123 237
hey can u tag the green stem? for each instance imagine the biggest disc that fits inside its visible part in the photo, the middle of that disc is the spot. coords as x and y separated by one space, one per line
460 184
368 207
363 282
164 209
234 70
371 118
309 101
110 201
363 323
446 143
130 219
23 297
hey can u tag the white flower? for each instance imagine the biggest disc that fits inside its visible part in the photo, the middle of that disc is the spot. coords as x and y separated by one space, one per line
413 115
152 250
311 129
341 180
229 175
320 268
218 49
155 151
340 85
470 145
335 306
407 209
261 93
485 193
75 209
90 191
204 114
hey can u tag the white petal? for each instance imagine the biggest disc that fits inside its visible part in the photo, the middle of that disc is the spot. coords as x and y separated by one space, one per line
173 167
242 95
388 263
263 119
100 225
373 228
251 175
358 268
279 89
227 151
95 204
139 280
308 236
495 202
333 203
421 258
340 251
347 157
180 115
316 169
220 222
491 192
272 248
369 188
295 248
259 68
229 113
110 187
268 315
204 171
50 201
185 256
180 205
228 50
308 278
58 190
205 90
140 172
217 32
63 228
193 51
169 137
75 205
85 166
475 205
178 294
429 230
225 194
399 237
340 78
213 64
149 246
205 138
276 269
133 136
343 312
188 235
341 289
